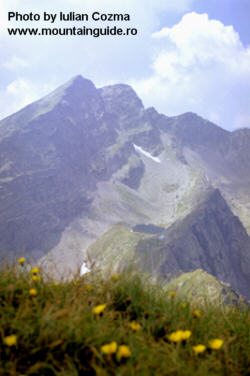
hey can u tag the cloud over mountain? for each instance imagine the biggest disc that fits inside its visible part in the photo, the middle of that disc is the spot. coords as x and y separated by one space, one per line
192 63
200 65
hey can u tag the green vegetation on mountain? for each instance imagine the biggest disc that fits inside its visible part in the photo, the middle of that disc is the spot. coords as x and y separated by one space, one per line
201 287
114 250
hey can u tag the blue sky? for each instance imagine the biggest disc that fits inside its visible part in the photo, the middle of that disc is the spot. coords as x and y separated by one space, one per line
189 55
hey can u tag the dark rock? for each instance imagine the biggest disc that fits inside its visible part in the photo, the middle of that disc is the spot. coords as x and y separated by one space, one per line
211 238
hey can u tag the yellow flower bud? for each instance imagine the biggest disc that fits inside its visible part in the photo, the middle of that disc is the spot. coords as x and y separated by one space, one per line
35 270
172 294
109 349
123 352
33 292
135 326
99 309
175 336
186 334
199 349
196 314
215 344
10 340
114 277
36 278
21 261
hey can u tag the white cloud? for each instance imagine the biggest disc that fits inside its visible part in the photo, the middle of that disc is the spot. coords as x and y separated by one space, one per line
200 66
197 65
15 63
20 93
19 87
57 59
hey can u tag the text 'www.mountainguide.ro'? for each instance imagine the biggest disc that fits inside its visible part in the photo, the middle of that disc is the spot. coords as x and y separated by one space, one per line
83 30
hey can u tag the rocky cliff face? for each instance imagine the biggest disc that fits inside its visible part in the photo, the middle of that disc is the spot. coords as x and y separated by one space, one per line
211 238
222 156
45 165
70 169
82 160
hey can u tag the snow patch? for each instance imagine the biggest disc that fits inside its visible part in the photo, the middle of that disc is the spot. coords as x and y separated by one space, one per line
146 153
84 269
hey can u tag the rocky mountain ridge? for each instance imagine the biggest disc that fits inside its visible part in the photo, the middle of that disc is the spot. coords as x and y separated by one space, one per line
82 160
210 237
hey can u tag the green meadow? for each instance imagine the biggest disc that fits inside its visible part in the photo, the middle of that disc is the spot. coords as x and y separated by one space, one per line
121 325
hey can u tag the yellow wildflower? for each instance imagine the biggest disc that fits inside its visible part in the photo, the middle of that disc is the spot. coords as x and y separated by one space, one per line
35 270
135 326
179 335
99 309
36 278
199 349
175 336
196 314
10 340
183 305
114 277
123 352
186 334
33 292
21 261
172 294
55 283
215 344
109 349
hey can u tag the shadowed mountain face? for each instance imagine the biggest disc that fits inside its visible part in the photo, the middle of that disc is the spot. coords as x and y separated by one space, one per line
53 155
82 159
45 167
211 238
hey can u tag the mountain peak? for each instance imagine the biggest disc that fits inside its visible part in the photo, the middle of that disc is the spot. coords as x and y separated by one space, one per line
121 99
79 82
78 77
122 90
77 92
69 172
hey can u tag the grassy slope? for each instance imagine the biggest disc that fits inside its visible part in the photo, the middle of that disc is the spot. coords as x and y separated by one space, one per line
58 334
114 249
200 286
